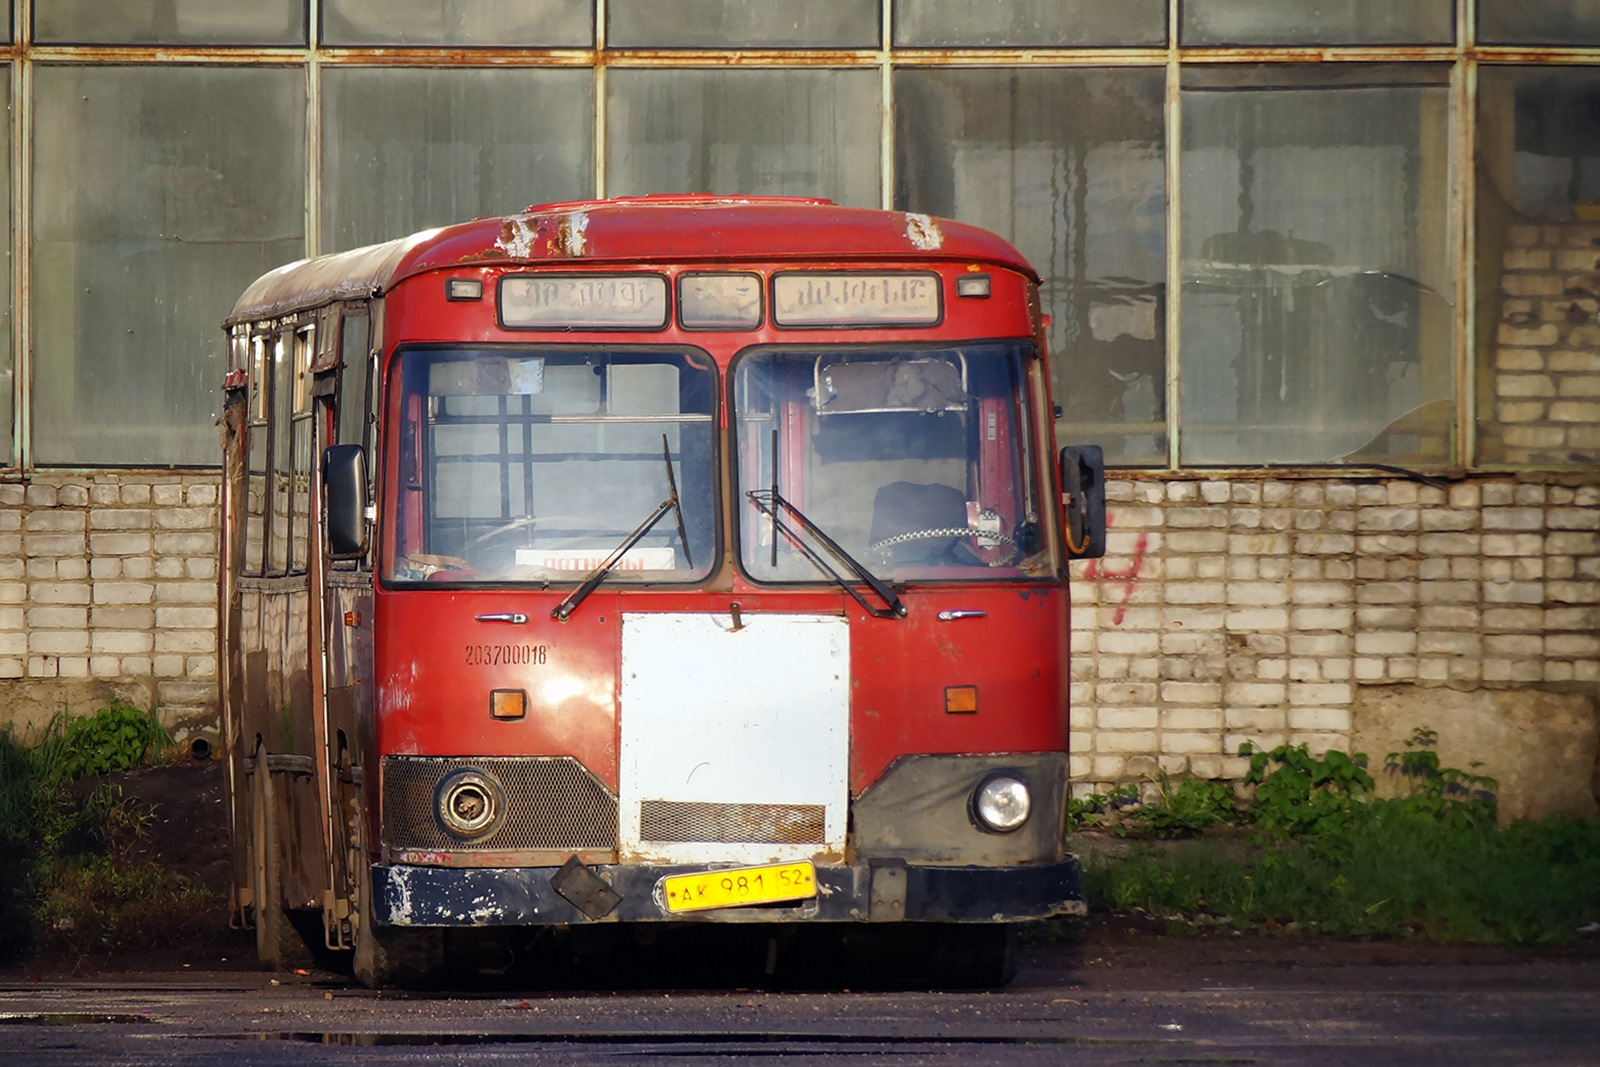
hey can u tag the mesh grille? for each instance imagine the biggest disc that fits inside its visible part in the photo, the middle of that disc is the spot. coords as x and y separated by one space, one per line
667 820
551 803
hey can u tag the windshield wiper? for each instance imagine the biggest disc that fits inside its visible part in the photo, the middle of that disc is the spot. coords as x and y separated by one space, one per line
562 611
770 503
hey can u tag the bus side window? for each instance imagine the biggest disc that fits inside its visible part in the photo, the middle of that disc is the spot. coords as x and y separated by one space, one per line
355 363
300 443
279 479
256 435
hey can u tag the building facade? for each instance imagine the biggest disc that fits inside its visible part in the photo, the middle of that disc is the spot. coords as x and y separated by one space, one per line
1324 281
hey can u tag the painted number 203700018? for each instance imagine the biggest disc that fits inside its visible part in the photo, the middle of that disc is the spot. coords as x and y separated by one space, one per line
505 655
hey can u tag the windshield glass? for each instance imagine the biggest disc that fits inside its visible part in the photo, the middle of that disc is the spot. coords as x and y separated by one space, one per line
919 463
533 464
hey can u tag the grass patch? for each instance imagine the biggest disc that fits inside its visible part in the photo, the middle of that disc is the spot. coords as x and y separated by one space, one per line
1318 851
68 882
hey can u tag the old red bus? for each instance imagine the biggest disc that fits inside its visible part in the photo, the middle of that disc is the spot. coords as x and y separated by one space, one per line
672 559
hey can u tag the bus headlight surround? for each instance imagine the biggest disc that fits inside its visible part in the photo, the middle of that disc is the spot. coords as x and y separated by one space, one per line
1002 803
469 804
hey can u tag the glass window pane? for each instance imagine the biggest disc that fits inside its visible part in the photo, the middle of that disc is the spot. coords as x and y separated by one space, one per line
481 23
1327 22
1029 23
1538 270
1068 165
535 463
409 148
743 24
757 132
160 192
1551 22
1316 314
268 22
7 360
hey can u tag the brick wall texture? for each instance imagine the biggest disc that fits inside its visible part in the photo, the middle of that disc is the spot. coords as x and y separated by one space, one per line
1233 610
112 577
1226 609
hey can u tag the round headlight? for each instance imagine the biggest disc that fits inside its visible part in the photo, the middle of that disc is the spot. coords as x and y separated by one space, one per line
469 804
1002 803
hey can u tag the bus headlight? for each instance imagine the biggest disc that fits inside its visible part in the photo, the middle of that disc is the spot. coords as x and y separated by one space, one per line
469 804
1002 803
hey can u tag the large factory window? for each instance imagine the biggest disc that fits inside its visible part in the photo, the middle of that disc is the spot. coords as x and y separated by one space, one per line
1029 24
170 22
1539 22
407 148
160 192
1538 243
1068 164
811 132
463 23
1328 22
742 24
1317 303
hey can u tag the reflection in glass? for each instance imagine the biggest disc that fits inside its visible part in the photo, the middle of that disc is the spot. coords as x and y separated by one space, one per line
1569 23
160 192
406 149
742 24
1068 165
481 23
1316 306
1538 268
266 22
919 463
1327 22
1029 23
761 132
533 464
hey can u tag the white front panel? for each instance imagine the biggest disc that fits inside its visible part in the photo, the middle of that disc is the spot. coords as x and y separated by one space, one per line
717 715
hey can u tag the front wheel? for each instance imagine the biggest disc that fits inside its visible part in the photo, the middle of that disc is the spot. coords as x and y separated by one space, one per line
390 956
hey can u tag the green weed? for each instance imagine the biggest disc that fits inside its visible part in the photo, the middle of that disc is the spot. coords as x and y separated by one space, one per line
1327 854
67 878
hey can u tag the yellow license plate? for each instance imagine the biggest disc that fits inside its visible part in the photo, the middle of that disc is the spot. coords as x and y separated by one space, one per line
740 886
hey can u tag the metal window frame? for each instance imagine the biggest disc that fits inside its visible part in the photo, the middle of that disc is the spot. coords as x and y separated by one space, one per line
1464 56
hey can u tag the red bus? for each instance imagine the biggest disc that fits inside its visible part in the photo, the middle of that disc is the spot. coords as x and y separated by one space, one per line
661 560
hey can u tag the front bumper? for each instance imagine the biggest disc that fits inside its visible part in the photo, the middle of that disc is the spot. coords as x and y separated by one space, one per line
876 892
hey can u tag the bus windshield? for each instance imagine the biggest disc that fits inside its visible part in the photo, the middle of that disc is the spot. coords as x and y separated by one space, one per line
917 462
532 464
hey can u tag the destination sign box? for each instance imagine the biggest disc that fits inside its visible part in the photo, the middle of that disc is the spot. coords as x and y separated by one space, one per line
583 301
817 298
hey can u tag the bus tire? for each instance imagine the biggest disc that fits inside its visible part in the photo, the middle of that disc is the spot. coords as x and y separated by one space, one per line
392 956
279 945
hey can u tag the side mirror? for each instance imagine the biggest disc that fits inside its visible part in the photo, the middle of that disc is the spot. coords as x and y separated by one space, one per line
1083 501
344 483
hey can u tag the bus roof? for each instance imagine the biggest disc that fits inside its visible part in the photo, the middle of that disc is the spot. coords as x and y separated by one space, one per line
662 228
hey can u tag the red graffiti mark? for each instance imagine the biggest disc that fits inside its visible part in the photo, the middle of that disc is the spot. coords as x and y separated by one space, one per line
1128 576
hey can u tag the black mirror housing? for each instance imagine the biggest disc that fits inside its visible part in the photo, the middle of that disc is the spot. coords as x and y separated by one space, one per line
1083 501
344 483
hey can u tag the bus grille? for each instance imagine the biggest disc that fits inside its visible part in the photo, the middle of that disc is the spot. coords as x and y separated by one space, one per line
552 802
766 824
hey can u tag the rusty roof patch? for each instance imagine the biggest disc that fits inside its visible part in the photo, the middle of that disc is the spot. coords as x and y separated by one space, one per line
923 231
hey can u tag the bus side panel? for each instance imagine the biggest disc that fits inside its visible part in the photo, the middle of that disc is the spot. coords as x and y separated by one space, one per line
1015 654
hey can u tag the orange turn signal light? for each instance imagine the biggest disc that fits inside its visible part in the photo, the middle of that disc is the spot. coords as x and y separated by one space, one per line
508 703
960 699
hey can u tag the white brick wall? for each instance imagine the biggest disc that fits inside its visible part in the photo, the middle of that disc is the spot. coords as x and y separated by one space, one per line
112 577
1300 590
